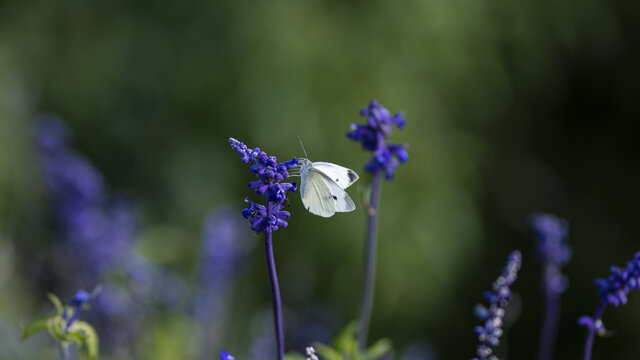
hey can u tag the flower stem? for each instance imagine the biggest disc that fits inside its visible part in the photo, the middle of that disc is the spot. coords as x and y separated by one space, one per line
64 349
275 290
370 261
588 342
549 327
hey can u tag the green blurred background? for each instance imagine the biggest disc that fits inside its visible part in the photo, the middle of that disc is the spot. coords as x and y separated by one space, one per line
511 108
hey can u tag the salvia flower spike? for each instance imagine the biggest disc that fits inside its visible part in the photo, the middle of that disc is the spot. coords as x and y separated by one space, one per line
550 233
493 316
386 157
373 135
613 291
269 217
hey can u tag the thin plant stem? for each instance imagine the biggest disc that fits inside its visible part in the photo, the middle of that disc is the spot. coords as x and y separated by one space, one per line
591 332
275 290
370 261
64 351
549 327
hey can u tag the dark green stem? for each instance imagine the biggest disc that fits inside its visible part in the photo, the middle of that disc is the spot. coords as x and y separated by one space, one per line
370 262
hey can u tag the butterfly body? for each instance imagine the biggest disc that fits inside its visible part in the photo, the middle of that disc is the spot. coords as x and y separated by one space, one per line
323 187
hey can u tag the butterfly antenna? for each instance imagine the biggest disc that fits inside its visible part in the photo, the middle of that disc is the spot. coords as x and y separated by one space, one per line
305 151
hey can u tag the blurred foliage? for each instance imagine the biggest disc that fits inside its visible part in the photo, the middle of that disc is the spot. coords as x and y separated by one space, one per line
512 108
345 347
64 331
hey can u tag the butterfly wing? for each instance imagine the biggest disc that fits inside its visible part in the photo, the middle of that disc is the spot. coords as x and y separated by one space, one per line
316 197
342 200
340 175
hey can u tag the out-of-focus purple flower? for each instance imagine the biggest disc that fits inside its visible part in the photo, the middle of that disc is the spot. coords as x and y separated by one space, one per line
551 232
262 346
493 316
224 247
226 356
270 173
97 229
97 232
373 135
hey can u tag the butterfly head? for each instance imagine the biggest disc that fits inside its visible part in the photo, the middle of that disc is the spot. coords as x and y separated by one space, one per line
305 164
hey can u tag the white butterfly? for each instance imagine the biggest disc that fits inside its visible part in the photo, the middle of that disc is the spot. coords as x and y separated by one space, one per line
322 187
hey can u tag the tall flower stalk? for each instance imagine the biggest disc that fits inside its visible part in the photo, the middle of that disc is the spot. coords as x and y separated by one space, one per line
385 159
613 291
269 217
551 232
498 298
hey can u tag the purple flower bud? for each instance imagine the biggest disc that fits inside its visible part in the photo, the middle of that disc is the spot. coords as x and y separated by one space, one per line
80 298
226 356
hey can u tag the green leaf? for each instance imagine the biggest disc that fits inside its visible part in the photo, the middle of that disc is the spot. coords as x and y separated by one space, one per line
77 336
380 348
365 196
91 341
347 338
55 326
56 302
36 325
327 352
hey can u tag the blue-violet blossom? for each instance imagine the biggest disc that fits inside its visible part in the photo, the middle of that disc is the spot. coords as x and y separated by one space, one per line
373 135
226 356
614 289
551 232
223 250
270 173
79 299
493 316
97 235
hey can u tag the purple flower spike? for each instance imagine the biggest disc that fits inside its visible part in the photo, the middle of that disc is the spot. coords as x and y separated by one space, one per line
551 233
613 290
269 217
270 173
226 356
497 298
373 134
